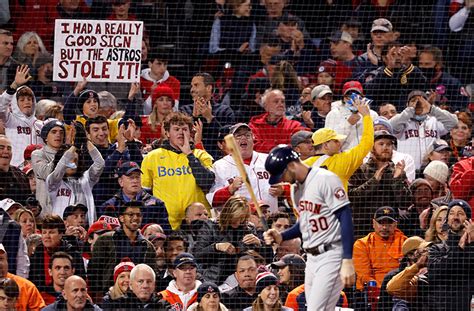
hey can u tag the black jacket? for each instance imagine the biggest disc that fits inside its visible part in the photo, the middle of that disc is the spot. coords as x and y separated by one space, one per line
108 251
450 275
216 265
223 115
61 305
38 264
154 210
237 299
391 86
131 302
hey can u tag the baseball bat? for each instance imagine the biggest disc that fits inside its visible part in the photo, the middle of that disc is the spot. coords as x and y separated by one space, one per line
235 152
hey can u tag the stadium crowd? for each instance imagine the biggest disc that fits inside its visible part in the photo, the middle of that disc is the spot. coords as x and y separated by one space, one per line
124 196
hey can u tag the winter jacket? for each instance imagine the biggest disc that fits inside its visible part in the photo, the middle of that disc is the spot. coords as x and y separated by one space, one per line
130 302
416 137
237 299
14 185
344 164
268 136
29 298
450 275
337 120
72 190
107 185
217 265
109 250
374 257
22 130
43 164
61 305
389 86
11 239
222 115
178 300
40 263
462 180
154 210
367 194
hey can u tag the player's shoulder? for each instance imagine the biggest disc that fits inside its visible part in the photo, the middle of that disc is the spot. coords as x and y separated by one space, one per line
323 173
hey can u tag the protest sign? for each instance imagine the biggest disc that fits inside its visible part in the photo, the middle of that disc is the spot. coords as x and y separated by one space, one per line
106 51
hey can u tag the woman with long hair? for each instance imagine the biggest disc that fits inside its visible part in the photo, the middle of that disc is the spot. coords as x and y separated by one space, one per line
162 101
219 243
285 78
268 298
461 138
435 232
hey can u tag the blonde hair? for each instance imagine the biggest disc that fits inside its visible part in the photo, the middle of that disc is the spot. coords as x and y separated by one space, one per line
22 211
233 206
431 234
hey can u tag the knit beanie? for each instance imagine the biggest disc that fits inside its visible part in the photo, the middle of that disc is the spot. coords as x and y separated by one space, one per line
161 90
265 279
49 125
125 265
84 96
205 288
465 206
437 170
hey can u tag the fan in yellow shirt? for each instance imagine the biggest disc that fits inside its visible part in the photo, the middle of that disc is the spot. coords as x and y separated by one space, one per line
178 173
327 144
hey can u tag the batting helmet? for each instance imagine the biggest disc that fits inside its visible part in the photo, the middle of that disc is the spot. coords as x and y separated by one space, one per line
278 160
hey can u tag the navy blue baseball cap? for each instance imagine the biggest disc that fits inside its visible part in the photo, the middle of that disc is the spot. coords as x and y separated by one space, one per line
126 168
183 259
277 161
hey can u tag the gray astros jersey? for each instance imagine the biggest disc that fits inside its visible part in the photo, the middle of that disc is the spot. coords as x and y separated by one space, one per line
319 197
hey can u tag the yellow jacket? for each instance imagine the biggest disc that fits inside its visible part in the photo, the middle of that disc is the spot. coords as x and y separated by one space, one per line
344 164
171 178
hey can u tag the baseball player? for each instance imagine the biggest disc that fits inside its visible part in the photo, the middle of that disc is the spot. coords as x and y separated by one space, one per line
325 225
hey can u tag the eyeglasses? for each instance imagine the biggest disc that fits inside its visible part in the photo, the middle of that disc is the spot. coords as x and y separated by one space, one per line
131 215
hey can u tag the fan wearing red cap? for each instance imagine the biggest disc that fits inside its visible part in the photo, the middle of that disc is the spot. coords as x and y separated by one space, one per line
162 105
121 280
350 117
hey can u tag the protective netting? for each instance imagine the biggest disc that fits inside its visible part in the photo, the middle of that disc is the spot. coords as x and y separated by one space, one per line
142 165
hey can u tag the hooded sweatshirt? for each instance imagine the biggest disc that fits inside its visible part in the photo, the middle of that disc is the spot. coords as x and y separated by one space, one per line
21 129
178 299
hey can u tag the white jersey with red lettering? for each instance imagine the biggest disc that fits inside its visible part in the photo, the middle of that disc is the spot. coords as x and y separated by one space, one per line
319 197
226 170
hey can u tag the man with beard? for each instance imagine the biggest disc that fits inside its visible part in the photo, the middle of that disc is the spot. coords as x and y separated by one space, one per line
379 182
126 241
451 264
379 252
244 294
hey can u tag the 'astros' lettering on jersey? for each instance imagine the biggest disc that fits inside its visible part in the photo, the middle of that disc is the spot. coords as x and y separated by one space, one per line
320 196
